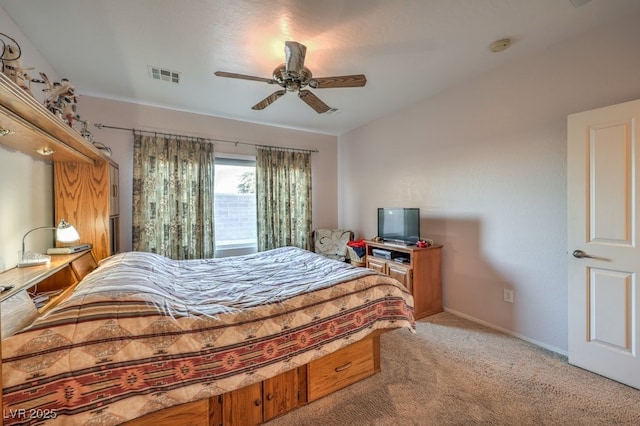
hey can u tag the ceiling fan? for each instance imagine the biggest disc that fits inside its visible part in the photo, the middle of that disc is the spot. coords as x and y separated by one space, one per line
293 76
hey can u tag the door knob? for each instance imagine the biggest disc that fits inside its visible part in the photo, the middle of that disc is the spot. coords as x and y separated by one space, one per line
580 254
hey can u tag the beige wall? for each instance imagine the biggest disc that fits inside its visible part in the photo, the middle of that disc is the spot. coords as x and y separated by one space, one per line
26 202
486 163
128 115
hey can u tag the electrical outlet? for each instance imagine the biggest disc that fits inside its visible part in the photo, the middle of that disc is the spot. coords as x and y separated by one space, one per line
508 295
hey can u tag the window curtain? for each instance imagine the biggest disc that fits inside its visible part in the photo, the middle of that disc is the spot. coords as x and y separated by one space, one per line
283 191
173 196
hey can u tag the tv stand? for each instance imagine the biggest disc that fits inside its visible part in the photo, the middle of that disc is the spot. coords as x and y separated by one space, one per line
418 269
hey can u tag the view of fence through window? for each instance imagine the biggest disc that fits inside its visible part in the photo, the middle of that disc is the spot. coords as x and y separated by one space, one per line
235 203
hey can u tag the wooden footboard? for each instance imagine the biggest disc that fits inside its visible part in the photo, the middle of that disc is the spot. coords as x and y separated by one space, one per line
278 395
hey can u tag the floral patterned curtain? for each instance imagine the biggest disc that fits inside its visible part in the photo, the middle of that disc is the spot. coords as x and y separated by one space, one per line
283 187
173 196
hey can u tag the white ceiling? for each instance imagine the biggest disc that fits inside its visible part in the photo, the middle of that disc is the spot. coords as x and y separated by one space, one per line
408 49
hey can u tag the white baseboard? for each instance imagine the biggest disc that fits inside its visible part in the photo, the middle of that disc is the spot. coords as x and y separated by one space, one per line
509 332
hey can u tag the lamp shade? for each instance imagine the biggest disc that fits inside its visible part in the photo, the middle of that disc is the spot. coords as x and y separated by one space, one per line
66 233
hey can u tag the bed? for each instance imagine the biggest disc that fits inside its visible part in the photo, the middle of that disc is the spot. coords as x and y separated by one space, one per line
144 333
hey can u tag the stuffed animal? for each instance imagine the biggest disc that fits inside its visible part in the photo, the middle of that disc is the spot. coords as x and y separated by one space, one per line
12 66
62 99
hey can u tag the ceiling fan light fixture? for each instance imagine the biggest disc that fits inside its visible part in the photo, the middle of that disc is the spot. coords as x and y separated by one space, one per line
293 86
45 151
284 77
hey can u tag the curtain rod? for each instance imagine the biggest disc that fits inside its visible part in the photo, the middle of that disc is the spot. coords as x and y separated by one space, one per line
236 143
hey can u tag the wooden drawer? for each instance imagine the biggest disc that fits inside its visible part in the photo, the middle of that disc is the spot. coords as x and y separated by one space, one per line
340 369
190 414
377 264
66 280
83 265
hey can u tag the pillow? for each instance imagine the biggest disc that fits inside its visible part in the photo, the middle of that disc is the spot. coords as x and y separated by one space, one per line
332 242
18 312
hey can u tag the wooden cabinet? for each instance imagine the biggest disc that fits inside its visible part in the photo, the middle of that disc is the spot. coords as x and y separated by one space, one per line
114 209
420 271
250 405
114 190
86 195
263 401
243 406
280 394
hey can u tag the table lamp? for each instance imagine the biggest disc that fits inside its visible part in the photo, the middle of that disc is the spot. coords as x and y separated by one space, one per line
65 233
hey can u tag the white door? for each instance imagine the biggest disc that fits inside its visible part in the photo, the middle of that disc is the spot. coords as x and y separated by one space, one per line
603 237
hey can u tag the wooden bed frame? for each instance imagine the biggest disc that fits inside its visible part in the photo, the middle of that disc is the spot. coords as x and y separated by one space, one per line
279 395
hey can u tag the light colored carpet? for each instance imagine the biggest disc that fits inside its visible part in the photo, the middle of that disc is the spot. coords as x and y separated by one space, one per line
456 372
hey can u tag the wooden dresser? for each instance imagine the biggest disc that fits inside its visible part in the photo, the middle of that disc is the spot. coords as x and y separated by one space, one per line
418 269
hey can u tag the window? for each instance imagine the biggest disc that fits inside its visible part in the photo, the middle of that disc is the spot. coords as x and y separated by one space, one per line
235 202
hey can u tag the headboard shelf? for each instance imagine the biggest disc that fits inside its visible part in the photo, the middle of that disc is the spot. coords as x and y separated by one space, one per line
25 278
34 127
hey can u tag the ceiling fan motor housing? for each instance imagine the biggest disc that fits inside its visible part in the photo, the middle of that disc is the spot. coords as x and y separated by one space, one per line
291 80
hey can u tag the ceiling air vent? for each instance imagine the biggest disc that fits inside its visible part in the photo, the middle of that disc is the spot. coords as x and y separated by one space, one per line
578 3
158 73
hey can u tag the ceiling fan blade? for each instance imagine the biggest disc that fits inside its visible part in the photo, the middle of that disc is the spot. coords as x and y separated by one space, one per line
294 53
269 100
313 101
356 80
244 77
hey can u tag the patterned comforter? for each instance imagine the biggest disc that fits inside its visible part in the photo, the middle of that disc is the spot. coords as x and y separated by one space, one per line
143 332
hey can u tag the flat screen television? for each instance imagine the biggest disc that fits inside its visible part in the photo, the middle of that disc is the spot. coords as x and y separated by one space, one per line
400 225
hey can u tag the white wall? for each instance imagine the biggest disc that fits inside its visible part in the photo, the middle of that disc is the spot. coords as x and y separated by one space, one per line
486 163
128 115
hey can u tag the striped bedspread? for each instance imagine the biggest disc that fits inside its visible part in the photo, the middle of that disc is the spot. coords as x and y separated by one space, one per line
143 332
